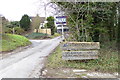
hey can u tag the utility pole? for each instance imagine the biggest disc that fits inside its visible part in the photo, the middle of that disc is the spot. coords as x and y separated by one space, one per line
45 16
0 25
62 32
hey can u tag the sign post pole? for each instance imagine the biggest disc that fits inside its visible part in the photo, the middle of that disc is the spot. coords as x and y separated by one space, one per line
61 20
62 32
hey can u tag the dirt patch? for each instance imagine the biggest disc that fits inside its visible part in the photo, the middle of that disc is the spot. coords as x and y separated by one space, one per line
74 73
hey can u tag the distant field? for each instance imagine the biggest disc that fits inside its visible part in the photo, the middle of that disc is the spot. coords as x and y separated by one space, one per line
36 36
41 36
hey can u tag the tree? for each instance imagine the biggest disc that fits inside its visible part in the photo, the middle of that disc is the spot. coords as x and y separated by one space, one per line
13 24
25 22
79 19
118 28
51 24
88 20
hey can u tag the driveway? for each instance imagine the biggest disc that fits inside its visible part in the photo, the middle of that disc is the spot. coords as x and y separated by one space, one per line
27 64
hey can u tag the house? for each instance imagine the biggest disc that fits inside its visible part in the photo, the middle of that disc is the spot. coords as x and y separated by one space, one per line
37 22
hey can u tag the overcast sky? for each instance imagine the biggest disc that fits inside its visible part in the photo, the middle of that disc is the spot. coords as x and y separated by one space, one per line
14 9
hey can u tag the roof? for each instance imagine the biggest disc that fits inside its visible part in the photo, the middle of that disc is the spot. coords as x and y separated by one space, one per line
42 19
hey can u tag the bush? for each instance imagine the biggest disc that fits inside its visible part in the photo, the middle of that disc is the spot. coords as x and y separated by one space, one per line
9 30
18 30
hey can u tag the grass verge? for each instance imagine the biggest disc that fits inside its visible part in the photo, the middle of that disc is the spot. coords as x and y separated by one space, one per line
55 35
12 41
107 62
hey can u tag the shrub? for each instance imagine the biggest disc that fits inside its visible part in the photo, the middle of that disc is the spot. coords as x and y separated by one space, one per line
9 30
18 30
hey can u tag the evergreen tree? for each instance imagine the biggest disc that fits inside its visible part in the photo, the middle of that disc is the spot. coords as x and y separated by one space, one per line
25 22
51 24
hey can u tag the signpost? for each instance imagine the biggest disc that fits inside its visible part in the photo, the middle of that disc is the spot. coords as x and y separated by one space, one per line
77 50
61 20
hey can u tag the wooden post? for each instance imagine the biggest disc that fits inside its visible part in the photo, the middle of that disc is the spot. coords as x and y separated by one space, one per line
13 31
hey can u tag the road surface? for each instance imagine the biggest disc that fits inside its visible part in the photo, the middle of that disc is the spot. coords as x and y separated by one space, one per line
27 64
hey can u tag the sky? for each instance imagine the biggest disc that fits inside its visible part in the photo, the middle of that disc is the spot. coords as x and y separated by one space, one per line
13 10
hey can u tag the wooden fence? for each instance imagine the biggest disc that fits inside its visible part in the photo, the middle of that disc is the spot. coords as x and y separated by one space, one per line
48 31
80 50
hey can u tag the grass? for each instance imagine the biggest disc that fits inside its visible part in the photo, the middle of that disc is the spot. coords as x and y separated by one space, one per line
12 41
107 62
55 35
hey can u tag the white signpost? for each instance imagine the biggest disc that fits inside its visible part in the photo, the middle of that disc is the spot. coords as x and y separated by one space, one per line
61 20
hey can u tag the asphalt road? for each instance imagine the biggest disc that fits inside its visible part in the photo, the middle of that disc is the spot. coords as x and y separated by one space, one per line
28 63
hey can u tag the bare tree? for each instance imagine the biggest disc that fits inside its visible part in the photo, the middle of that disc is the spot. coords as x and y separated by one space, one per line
35 22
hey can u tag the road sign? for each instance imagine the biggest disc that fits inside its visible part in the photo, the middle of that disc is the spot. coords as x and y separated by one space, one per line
61 19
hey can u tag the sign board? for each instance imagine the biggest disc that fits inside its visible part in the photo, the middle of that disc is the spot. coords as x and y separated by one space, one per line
80 50
61 19
80 46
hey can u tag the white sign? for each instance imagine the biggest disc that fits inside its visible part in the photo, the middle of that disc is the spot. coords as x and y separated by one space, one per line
61 19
